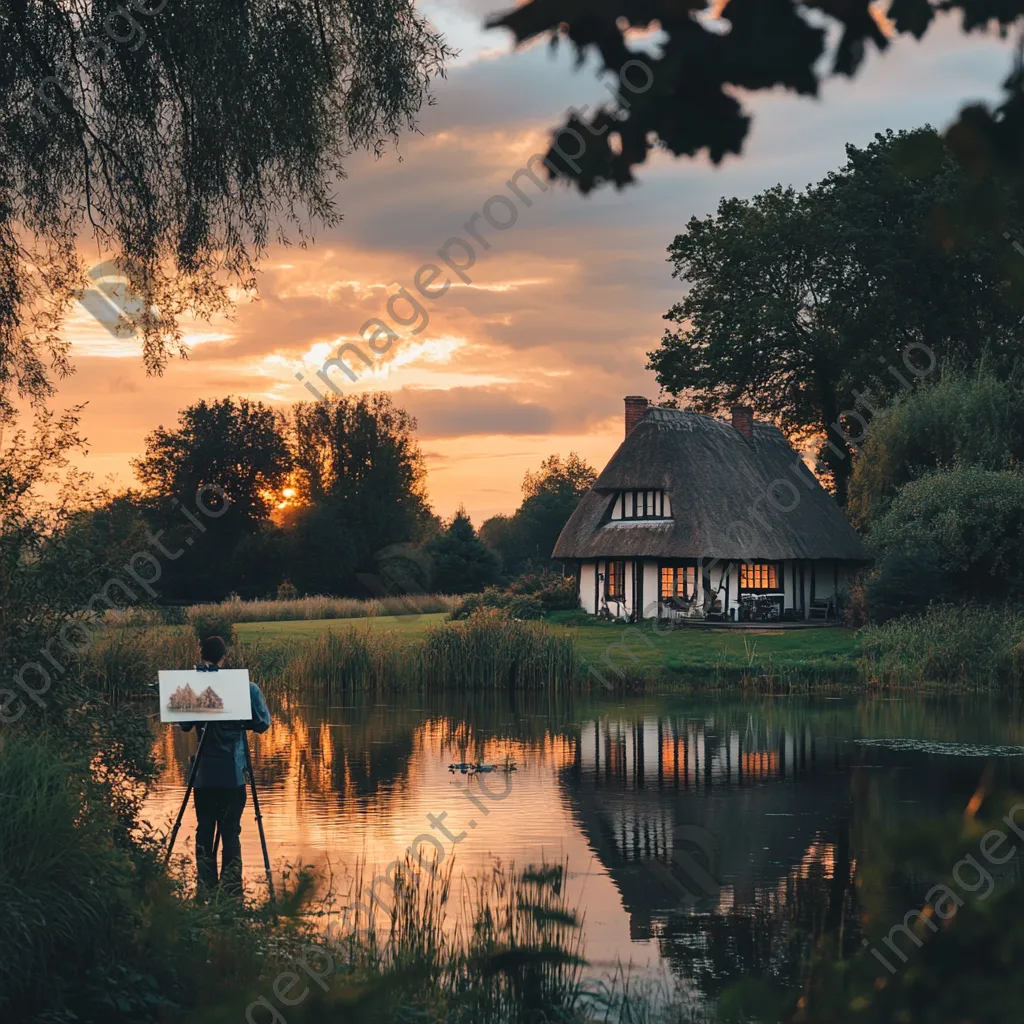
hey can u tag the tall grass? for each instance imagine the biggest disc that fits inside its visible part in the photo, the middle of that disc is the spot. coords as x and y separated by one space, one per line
334 664
121 664
280 611
514 954
491 651
971 646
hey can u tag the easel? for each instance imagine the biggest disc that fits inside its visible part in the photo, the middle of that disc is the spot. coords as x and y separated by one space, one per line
255 805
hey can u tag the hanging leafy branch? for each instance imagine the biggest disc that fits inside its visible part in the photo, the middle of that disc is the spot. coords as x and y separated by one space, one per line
180 138
683 100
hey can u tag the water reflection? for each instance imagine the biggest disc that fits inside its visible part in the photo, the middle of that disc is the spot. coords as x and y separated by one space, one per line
715 837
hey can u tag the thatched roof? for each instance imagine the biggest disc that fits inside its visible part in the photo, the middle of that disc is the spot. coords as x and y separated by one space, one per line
714 478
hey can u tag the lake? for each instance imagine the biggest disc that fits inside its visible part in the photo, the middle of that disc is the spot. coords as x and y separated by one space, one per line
688 824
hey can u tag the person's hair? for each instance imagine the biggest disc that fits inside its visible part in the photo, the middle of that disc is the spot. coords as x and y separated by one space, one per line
213 648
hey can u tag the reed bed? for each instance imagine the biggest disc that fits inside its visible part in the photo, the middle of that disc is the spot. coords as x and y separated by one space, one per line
976 647
491 651
336 664
123 663
288 610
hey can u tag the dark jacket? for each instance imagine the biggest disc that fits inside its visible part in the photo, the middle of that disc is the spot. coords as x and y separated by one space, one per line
223 760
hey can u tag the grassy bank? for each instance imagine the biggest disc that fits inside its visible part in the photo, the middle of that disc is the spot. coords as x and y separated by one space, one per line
953 648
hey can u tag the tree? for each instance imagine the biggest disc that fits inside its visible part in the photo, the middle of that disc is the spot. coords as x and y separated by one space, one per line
956 422
526 539
233 446
360 472
684 98
138 127
228 448
463 564
797 298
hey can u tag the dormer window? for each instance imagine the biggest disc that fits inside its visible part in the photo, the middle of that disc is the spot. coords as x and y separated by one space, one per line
642 505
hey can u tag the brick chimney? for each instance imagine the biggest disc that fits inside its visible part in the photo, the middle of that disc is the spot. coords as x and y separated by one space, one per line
743 420
636 406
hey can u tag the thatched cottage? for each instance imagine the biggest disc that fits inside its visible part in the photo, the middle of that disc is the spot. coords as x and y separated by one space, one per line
696 517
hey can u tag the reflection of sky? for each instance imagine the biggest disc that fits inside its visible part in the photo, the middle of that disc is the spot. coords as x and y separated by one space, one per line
305 822
536 357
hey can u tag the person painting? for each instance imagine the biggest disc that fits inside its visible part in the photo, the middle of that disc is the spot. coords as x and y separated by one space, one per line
219 792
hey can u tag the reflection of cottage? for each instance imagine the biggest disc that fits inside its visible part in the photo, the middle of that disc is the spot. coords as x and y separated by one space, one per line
694 517
185 698
698 814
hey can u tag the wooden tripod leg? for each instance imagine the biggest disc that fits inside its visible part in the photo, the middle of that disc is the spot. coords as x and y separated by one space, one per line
259 818
188 793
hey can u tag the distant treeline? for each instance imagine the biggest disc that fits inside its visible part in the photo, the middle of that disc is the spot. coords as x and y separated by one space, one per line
326 498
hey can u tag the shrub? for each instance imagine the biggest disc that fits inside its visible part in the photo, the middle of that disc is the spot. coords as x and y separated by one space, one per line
555 592
954 422
286 591
547 589
213 623
467 606
525 606
956 535
576 618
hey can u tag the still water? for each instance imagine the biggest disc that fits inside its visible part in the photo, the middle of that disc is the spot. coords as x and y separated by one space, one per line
677 817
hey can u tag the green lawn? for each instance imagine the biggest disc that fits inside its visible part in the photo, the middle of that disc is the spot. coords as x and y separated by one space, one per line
409 626
688 649
682 649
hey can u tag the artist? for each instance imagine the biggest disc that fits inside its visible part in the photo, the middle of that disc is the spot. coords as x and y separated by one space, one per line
220 783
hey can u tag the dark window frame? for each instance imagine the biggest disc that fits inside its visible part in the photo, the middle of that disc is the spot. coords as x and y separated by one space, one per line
684 579
777 567
650 500
615 580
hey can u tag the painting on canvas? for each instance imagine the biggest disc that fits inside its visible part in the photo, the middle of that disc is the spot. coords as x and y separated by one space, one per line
187 695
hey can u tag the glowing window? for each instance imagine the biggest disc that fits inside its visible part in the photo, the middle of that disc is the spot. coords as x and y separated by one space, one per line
759 576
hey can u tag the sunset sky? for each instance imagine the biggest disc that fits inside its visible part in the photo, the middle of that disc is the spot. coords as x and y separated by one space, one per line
536 354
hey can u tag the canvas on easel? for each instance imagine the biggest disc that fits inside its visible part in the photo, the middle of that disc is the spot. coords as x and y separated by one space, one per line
187 695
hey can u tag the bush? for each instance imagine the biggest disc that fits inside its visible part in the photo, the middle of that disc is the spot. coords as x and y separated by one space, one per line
555 592
954 422
956 535
525 606
532 595
961 644
213 623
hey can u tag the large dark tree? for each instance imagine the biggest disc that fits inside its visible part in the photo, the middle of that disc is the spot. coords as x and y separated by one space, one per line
684 98
233 447
798 302
180 138
526 539
359 472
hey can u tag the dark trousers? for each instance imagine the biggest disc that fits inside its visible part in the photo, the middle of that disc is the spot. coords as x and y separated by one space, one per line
219 807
